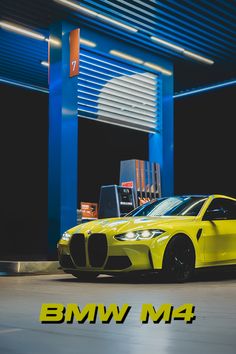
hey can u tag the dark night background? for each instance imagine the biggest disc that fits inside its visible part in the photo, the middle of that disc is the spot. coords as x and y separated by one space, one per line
204 158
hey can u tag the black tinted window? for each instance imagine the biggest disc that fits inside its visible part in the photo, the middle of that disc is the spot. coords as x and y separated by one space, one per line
226 207
195 208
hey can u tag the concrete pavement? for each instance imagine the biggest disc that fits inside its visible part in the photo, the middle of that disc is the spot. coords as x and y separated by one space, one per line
213 331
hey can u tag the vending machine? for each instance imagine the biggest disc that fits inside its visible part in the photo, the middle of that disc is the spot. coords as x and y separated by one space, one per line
115 201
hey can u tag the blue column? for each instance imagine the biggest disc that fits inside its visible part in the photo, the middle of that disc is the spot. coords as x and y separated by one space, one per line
63 138
161 144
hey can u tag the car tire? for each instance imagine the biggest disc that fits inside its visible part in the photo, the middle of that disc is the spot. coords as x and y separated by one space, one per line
179 260
85 276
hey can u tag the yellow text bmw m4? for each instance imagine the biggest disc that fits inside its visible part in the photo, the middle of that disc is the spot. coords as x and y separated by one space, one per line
173 235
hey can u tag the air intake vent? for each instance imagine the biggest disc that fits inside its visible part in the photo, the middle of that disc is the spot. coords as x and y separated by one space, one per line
97 249
66 262
118 262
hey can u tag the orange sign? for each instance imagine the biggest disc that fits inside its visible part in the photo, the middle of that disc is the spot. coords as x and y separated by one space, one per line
89 210
74 52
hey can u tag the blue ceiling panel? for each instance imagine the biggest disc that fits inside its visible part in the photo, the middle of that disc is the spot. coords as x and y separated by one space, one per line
205 27
181 22
20 59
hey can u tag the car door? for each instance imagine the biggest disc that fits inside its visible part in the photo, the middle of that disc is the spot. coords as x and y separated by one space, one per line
219 233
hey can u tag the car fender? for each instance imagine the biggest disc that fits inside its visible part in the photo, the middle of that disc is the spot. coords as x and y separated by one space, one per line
162 243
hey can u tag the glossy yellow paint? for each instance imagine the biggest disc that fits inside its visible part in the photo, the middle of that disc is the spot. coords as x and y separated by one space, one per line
216 245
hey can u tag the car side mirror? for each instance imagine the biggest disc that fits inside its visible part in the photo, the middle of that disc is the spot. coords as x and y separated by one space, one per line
214 214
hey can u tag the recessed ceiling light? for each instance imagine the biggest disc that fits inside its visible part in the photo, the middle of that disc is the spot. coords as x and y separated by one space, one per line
95 14
140 61
21 30
167 44
182 50
53 41
44 63
126 56
198 57
158 68
87 42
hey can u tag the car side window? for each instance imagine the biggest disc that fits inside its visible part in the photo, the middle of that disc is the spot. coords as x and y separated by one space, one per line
194 209
226 207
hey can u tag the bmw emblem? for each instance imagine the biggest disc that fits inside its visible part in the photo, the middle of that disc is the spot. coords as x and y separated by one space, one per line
89 232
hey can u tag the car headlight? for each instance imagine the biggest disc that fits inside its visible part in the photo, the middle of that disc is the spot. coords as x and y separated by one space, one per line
139 235
66 236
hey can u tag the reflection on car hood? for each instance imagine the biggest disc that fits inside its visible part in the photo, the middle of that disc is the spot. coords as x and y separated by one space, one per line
119 225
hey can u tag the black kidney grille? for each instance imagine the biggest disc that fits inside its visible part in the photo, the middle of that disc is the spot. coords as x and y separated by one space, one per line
97 249
77 250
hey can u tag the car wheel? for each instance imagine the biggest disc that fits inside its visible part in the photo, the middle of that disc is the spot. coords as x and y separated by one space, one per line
179 260
85 276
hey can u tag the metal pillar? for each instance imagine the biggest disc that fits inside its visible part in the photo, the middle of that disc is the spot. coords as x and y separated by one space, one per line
63 138
161 144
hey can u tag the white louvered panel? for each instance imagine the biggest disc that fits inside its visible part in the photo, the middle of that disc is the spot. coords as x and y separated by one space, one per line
117 98
116 93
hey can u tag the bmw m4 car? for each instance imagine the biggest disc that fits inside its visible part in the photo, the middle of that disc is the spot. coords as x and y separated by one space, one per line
173 235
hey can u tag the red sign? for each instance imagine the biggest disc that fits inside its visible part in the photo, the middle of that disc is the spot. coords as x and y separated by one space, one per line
129 184
74 52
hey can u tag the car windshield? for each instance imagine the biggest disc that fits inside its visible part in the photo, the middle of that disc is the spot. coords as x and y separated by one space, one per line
177 206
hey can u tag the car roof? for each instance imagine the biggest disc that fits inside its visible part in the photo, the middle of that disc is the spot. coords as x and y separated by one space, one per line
204 196
207 196
222 196
196 195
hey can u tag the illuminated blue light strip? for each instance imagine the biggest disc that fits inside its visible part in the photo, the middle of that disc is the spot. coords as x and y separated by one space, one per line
204 89
26 86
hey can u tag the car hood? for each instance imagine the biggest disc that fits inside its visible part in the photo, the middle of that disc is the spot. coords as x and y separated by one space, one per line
125 224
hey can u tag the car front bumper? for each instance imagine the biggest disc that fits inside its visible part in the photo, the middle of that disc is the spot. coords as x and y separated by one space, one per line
120 256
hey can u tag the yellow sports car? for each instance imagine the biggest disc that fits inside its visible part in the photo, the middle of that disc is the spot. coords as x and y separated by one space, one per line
174 235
